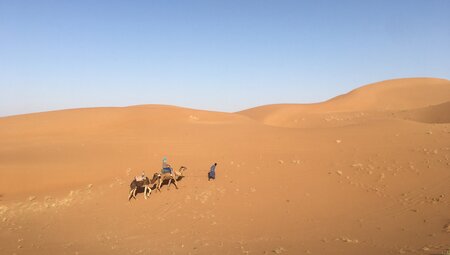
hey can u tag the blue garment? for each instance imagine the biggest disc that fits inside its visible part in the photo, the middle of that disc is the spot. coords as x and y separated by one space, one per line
165 167
212 172
166 170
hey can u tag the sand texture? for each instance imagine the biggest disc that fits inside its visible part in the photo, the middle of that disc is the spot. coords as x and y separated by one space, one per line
367 172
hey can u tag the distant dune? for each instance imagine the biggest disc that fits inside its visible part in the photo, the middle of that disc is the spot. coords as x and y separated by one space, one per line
363 173
399 94
386 96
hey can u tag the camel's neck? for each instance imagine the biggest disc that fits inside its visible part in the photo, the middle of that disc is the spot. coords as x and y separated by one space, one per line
179 172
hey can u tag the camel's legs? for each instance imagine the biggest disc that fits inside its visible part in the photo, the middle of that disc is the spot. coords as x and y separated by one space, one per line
168 185
145 192
159 185
175 183
130 195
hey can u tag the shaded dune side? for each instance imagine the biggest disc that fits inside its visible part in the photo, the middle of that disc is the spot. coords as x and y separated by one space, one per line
433 114
373 99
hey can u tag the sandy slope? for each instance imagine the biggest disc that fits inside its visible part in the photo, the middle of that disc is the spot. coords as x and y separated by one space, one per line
361 177
372 99
430 114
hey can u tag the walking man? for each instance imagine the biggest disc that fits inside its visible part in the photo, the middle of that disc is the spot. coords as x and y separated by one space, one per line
212 172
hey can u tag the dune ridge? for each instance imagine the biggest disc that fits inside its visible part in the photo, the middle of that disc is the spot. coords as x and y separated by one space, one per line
387 96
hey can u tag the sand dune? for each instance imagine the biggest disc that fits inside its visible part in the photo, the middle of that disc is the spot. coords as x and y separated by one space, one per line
397 94
363 173
387 96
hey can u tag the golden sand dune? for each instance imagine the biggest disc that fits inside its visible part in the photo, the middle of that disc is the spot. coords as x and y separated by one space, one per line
367 173
397 94
387 96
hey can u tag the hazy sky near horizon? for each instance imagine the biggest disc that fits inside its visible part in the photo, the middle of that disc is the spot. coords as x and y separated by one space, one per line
213 55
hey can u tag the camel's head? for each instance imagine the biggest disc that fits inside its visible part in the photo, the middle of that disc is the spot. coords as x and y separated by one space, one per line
180 172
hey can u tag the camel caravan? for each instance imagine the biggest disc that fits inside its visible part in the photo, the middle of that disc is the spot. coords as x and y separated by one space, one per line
167 175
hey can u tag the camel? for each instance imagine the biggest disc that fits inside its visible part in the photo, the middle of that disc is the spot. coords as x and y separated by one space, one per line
171 177
146 184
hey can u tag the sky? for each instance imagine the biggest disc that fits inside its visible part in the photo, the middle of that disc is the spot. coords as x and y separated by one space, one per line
221 55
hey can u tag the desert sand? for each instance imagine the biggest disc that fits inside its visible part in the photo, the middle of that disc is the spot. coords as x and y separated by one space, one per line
367 172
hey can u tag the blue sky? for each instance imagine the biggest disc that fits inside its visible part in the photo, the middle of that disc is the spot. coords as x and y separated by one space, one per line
213 55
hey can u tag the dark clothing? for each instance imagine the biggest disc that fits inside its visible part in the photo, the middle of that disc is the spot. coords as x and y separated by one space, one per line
212 173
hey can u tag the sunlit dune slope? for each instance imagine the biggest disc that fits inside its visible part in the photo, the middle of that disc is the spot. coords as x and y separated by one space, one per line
386 96
54 149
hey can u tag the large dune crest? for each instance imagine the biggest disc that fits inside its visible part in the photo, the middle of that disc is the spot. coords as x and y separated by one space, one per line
399 94
373 99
